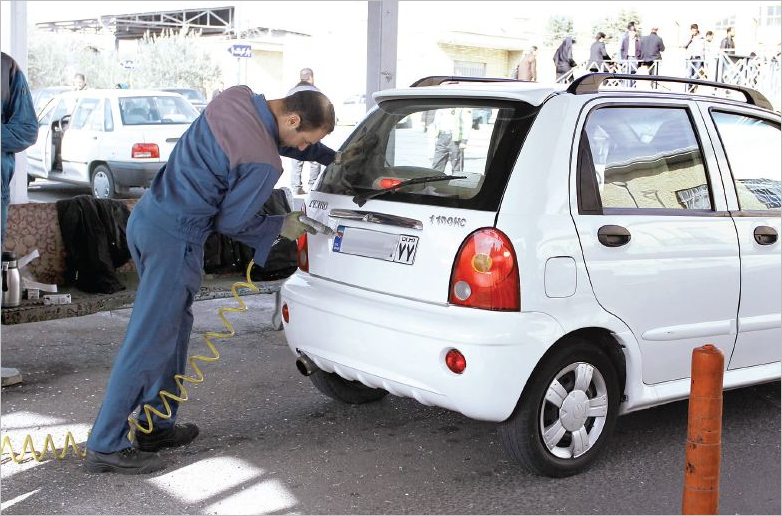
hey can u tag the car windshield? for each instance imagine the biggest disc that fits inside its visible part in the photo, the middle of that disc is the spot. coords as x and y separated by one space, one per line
408 139
156 110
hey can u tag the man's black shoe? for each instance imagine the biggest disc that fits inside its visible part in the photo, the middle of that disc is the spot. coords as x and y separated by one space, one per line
128 462
179 435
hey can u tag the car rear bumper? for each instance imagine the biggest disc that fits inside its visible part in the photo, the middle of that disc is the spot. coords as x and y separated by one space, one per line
134 174
399 345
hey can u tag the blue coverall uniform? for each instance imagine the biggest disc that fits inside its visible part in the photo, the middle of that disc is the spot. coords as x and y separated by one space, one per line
20 125
218 177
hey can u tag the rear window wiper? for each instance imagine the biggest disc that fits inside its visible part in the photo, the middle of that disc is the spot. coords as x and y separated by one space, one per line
361 199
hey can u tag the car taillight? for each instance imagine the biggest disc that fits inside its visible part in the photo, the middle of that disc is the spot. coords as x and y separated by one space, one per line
455 361
302 253
485 273
145 150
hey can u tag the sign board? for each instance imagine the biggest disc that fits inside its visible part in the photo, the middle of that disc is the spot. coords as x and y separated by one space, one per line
127 64
241 50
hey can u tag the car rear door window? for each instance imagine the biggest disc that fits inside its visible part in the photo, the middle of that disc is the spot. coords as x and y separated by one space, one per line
752 147
646 158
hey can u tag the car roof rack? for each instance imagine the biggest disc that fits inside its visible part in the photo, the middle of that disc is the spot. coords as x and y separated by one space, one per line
590 83
436 80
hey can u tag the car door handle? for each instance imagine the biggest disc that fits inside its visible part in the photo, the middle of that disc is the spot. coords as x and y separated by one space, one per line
765 235
613 236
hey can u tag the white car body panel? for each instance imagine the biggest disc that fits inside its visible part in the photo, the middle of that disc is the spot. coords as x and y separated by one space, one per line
367 321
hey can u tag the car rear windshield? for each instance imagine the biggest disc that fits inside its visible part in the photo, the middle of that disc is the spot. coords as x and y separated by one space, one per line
156 110
476 141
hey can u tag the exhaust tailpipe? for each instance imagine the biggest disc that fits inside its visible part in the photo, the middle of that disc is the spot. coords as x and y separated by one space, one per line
305 365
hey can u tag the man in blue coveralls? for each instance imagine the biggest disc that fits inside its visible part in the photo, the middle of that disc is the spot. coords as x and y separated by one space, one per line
218 178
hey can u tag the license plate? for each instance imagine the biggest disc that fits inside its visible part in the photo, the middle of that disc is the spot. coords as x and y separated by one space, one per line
375 244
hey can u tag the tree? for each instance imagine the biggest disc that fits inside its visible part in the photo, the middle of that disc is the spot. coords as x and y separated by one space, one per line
615 27
174 59
54 58
558 27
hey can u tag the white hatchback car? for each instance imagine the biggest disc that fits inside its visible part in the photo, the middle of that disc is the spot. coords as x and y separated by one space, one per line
555 269
109 139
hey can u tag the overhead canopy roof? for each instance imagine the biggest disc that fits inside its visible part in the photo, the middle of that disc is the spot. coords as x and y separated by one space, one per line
209 21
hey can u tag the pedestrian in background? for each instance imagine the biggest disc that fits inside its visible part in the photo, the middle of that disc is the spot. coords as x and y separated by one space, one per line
651 47
528 66
79 82
599 60
563 60
630 49
727 44
696 52
306 82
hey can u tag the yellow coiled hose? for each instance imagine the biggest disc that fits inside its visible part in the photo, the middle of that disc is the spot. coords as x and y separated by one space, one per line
28 447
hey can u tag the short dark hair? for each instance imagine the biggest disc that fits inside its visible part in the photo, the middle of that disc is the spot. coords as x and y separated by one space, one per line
729 29
631 25
314 109
306 74
709 33
694 26
600 35
534 48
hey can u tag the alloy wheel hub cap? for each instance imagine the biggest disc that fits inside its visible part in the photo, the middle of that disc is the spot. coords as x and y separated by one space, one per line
574 410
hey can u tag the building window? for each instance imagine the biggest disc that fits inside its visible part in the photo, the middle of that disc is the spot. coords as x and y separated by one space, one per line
773 15
469 69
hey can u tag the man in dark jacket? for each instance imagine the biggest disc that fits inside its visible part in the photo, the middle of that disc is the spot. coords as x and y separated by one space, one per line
20 125
218 177
727 44
651 47
598 56
630 49
563 60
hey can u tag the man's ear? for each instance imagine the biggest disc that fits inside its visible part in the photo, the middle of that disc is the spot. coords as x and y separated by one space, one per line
293 120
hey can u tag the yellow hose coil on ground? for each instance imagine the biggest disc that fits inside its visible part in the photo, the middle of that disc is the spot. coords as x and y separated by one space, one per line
28 447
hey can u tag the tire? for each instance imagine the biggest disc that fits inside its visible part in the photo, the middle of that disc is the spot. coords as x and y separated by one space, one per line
102 182
337 388
540 409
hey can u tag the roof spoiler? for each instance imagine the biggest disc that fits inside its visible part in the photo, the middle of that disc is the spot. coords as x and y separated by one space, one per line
437 80
590 83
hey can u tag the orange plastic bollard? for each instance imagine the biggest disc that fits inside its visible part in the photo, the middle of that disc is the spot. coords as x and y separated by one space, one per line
704 433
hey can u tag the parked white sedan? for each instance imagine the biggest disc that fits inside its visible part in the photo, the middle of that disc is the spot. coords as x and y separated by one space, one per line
109 139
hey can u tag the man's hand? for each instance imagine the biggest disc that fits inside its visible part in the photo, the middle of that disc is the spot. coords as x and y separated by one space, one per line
292 228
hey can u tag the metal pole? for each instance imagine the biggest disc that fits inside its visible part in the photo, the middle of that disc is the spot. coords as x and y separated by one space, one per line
382 25
18 51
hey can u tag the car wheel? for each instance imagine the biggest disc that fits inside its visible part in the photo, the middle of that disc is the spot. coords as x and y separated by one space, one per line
337 388
566 413
103 182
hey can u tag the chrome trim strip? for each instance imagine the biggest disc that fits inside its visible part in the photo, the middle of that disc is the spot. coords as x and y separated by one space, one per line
376 218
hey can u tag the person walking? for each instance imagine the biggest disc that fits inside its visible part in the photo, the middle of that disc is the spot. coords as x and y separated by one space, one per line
696 52
563 60
306 82
652 47
452 128
19 131
528 66
599 60
727 44
630 50
217 178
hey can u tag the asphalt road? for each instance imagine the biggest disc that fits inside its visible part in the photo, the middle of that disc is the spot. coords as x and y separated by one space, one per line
271 443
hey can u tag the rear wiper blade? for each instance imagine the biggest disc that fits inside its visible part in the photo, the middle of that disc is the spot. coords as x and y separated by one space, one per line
361 199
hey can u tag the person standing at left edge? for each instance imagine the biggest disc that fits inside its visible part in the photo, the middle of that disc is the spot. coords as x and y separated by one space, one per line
19 131
218 177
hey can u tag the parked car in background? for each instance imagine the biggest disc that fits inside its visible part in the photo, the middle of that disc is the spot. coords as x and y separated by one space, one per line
561 273
195 97
109 139
41 96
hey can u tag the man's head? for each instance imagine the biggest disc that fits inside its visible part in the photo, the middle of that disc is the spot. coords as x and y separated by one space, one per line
653 30
631 26
730 31
709 36
306 75
533 50
694 28
79 82
600 36
303 118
